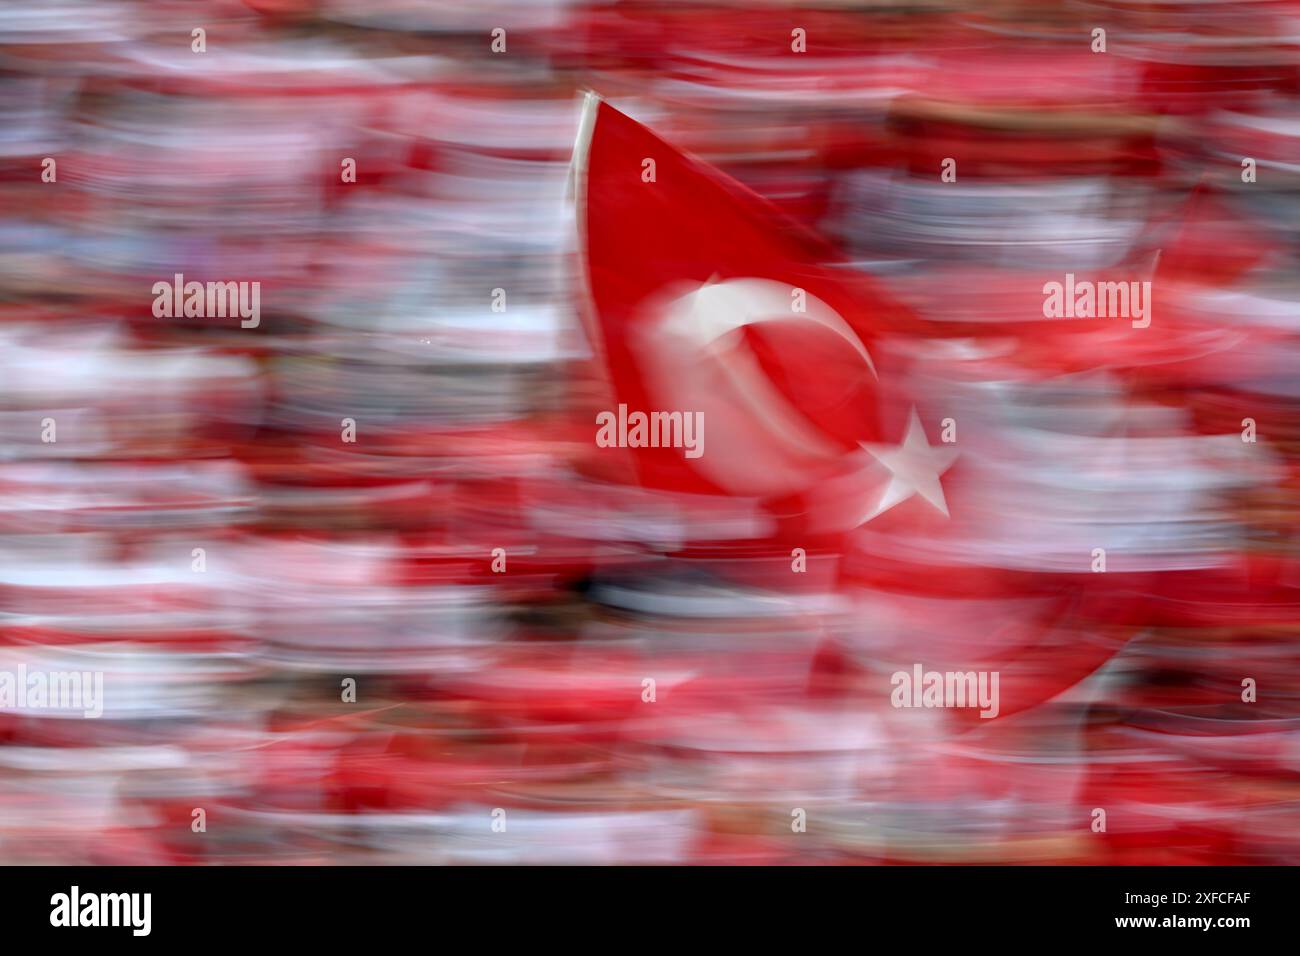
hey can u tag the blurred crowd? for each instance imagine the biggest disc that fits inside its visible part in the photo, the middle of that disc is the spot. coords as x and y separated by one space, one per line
431 644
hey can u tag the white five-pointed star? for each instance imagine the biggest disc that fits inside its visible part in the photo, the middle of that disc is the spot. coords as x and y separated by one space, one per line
915 467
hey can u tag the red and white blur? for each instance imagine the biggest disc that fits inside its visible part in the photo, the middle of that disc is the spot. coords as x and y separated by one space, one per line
563 432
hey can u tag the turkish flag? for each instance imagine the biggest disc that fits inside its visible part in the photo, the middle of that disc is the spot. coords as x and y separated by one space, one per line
705 298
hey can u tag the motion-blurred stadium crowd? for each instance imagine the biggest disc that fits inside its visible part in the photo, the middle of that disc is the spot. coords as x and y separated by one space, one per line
199 531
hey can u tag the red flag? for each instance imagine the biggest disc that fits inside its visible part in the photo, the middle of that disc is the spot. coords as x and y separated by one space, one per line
704 298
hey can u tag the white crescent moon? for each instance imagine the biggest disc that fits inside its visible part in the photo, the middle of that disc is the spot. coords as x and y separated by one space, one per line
758 442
